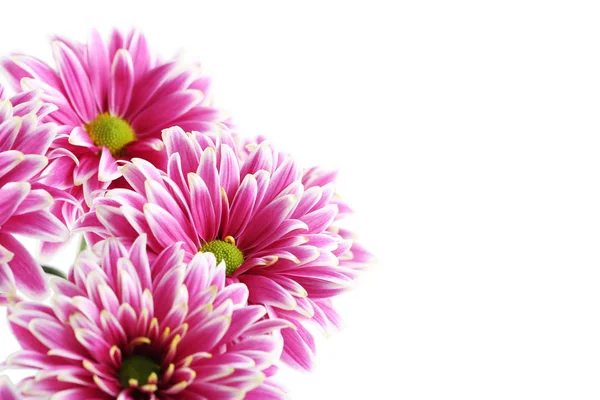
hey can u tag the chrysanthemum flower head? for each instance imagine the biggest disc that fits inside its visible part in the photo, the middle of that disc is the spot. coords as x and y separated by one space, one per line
129 328
253 213
24 204
114 97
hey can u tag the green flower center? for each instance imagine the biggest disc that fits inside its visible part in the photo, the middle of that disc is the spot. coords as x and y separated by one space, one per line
138 368
111 132
225 250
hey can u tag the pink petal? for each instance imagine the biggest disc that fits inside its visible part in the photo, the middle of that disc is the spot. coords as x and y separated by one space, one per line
39 69
266 391
147 86
120 84
87 168
202 208
117 41
7 279
140 53
59 173
177 141
7 390
138 171
29 167
5 255
28 108
9 160
265 291
242 206
14 72
285 229
207 171
166 110
290 285
6 109
79 393
29 276
198 275
76 81
38 225
165 228
157 194
65 114
97 55
319 220
236 292
215 391
298 351
139 259
261 158
36 140
241 320
206 336
267 220
166 260
165 290
12 194
267 326
79 137
94 343
286 174
332 316
8 133
107 169
229 171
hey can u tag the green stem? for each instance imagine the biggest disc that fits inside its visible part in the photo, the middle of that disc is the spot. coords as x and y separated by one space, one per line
83 244
54 271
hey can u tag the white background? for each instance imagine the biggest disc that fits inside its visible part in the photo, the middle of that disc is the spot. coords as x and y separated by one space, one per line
467 136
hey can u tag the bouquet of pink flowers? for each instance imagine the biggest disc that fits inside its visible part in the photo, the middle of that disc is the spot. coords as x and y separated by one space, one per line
206 258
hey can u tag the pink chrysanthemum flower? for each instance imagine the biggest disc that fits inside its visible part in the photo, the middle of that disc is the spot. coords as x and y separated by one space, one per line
24 204
113 99
127 328
255 214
